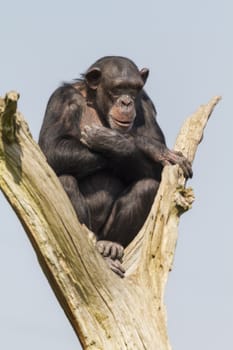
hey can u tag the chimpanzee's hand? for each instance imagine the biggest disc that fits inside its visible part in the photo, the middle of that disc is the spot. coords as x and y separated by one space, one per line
159 153
95 136
112 253
173 157
106 140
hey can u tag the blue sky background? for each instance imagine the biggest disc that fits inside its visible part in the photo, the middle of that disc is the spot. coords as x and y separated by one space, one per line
188 47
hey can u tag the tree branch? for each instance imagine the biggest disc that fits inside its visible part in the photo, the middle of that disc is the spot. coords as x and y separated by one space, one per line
104 310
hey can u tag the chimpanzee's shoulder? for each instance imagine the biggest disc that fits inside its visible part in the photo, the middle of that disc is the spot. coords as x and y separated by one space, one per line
68 93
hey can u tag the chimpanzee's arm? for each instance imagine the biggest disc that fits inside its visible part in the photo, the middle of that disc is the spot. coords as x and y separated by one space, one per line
60 136
108 142
113 144
159 153
69 156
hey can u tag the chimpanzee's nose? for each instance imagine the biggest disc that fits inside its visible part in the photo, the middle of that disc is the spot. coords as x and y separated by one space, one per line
126 101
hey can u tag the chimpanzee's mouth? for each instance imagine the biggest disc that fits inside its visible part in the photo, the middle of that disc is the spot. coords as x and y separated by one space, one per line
123 124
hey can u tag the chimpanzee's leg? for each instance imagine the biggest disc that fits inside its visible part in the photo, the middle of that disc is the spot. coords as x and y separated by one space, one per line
130 212
78 201
93 197
100 192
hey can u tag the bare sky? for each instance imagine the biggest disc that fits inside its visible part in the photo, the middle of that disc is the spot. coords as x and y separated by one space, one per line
188 47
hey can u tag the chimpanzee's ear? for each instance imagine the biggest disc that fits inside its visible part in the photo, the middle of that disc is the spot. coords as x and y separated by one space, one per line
93 77
144 74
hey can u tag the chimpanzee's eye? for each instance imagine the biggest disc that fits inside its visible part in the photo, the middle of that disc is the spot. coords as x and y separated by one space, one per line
113 96
133 93
116 92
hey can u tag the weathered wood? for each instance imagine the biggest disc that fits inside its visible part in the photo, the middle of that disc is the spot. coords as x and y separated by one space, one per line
105 311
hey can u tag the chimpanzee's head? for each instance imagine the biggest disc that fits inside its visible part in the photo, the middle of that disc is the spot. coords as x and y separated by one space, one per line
116 82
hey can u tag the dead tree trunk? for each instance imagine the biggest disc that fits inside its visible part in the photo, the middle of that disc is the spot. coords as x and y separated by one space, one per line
105 311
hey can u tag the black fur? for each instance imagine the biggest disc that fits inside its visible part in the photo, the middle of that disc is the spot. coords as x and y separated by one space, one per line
101 137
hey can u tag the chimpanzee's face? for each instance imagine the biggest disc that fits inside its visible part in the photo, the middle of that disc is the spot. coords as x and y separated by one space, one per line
117 83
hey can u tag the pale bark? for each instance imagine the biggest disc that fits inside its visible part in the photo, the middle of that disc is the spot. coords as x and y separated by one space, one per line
106 312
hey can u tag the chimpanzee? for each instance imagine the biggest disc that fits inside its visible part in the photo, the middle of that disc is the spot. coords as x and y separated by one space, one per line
101 137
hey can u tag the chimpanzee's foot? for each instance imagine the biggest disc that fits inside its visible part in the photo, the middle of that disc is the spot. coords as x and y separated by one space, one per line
113 253
110 249
115 266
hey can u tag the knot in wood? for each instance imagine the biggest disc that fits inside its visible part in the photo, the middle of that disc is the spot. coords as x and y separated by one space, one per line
184 198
